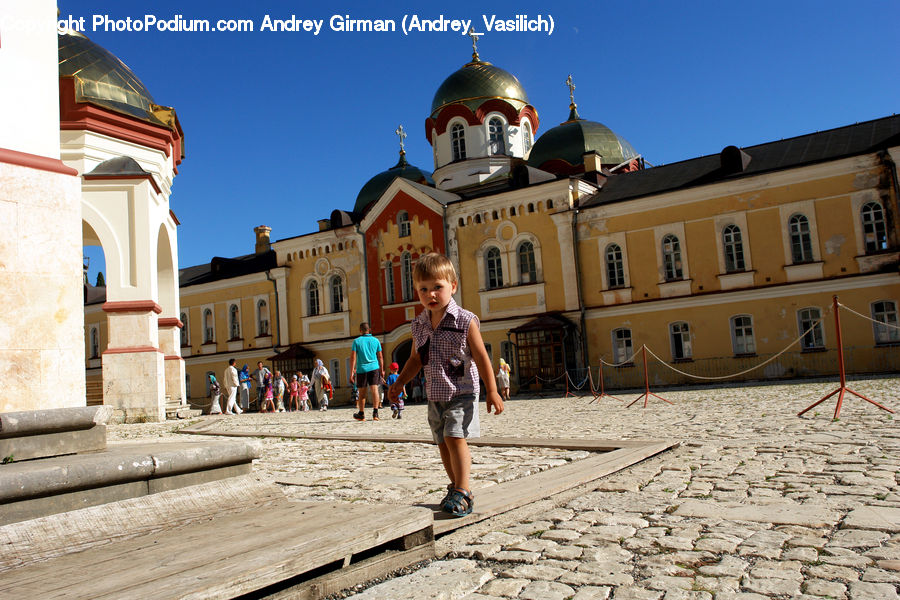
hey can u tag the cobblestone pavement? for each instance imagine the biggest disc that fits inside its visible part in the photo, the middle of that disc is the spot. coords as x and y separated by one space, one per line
755 503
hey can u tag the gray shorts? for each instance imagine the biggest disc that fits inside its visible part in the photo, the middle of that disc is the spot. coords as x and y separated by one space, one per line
457 418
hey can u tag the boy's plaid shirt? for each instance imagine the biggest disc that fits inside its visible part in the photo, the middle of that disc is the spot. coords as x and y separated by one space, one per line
446 359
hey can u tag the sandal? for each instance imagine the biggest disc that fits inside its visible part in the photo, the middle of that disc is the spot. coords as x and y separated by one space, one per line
459 504
446 496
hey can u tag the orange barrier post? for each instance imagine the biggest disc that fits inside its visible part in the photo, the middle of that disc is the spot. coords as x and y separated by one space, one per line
568 393
602 390
647 393
843 387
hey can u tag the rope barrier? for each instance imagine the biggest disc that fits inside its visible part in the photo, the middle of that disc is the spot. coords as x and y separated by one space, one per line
882 323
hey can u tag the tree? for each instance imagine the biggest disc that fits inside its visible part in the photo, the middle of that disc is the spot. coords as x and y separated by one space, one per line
101 282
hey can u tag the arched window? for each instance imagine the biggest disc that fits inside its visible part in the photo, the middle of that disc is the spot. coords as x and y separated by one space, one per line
671 250
95 343
406 276
884 313
234 321
497 136
680 335
493 268
615 267
527 265
312 298
526 136
458 142
389 297
734 249
185 341
809 320
337 294
208 326
801 240
622 348
262 318
742 335
874 228
403 223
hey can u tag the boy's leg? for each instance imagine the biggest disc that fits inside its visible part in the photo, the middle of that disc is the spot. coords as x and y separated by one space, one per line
457 461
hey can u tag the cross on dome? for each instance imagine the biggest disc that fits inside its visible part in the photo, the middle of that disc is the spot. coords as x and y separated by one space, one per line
571 87
474 37
402 135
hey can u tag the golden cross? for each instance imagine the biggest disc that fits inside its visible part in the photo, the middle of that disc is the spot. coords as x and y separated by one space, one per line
571 87
474 37
401 134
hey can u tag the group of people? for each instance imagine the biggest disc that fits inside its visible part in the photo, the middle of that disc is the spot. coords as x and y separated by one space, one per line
272 389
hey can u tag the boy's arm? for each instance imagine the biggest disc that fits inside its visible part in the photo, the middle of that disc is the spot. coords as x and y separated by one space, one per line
483 362
352 362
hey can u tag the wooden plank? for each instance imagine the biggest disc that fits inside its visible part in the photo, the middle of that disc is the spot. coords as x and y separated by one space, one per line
366 570
222 557
496 499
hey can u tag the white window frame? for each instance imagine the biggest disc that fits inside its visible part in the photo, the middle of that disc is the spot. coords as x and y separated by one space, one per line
208 326
740 342
336 288
532 274
871 228
390 295
234 320
815 338
488 259
496 136
457 134
185 333
308 286
618 263
263 327
406 277
403 224
622 346
673 261
887 315
806 255
733 247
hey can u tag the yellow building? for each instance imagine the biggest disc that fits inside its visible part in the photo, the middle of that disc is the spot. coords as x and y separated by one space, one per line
574 254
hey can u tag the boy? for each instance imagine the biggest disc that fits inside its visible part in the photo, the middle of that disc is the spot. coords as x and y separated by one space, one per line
447 344
396 404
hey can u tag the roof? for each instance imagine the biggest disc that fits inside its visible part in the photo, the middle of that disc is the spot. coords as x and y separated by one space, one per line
569 142
372 190
225 268
833 144
295 351
543 322
475 83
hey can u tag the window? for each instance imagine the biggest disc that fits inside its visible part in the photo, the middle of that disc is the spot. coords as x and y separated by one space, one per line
495 131
234 322
810 321
615 267
541 354
526 135
208 326
335 371
874 228
622 349
734 249
403 223
458 142
885 313
406 276
312 298
95 343
493 268
337 294
671 249
389 283
801 240
742 335
527 266
262 318
184 330
680 335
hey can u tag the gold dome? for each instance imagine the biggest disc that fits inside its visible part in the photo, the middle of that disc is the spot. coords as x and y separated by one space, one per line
475 83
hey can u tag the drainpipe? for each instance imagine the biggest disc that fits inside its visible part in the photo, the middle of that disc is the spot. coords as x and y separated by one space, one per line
364 275
584 344
277 309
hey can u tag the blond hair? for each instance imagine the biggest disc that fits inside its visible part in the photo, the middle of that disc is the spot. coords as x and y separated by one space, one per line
434 266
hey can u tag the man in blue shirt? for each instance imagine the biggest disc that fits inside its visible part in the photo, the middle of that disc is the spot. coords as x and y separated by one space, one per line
367 362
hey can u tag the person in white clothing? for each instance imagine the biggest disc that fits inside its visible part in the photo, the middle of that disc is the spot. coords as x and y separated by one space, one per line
231 386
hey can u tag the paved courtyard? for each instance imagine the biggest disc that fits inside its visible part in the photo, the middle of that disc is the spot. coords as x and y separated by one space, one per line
755 502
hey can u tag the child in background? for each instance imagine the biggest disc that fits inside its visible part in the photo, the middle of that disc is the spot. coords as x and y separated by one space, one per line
269 394
304 395
448 345
396 403
294 401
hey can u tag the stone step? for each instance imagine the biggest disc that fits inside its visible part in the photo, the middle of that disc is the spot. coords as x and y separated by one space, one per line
53 432
36 488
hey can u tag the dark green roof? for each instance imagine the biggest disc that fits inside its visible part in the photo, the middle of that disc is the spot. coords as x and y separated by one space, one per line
475 83
572 139
374 188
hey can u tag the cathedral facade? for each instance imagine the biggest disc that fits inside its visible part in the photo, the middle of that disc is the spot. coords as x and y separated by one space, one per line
576 255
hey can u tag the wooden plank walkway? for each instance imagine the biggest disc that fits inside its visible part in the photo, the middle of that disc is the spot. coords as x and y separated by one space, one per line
229 555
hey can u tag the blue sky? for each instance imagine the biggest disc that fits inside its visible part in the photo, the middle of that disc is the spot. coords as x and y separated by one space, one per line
282 127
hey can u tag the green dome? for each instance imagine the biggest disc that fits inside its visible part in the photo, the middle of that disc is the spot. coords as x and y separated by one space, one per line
572 139
477 82
374 188
101 78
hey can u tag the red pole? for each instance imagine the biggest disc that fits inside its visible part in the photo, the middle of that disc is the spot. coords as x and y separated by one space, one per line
646 377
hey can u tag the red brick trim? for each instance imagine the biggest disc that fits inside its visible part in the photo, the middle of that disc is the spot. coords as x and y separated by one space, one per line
131 306
173 357
33 161
132 350
170 322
